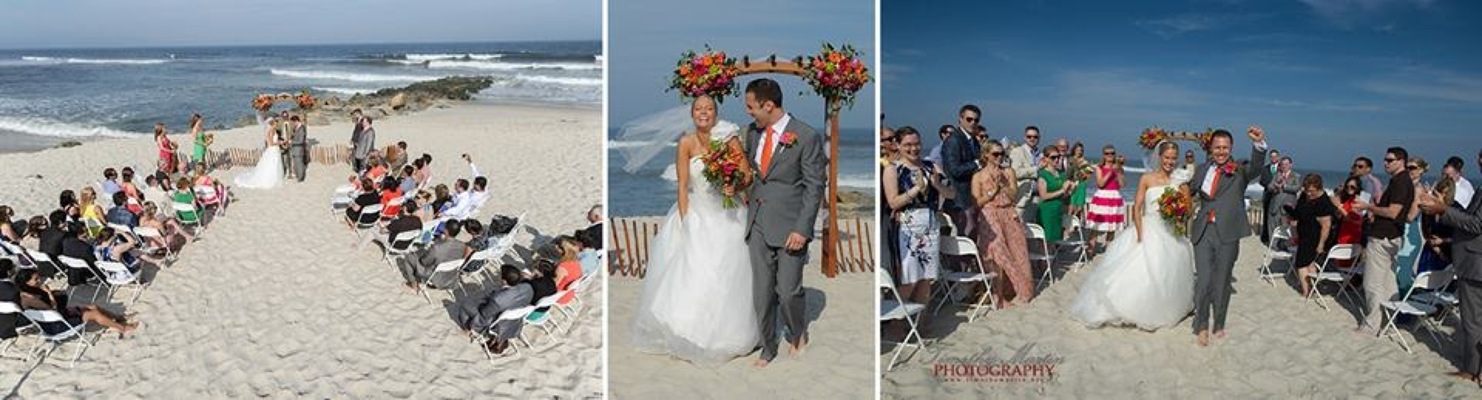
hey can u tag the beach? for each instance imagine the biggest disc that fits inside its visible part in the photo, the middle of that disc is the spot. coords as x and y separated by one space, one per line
275 301
835 365
1280 346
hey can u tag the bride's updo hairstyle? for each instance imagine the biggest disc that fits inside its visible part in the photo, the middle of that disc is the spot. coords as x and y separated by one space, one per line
1166 145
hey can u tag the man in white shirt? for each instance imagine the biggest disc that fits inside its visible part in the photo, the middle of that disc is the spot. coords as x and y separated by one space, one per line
467 201
1025 162
1464 189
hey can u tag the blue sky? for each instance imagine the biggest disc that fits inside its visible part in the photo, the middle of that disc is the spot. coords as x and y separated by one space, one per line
646 38
161 23
1327 79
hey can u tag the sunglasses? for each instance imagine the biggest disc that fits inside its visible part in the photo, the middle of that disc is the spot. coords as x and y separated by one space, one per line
996 153
1412 167
970 119
1390 160
1112 153
1055 157
891 139
1031 136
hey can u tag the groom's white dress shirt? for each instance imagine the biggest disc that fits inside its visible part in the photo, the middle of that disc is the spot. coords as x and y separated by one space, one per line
778 128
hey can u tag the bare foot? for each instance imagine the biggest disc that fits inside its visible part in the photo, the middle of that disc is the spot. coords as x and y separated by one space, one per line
1203 338
761 363
1462 375
802 344
1219 334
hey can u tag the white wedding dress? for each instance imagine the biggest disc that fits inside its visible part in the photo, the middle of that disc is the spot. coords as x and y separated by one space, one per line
696 302
1150 284
269 171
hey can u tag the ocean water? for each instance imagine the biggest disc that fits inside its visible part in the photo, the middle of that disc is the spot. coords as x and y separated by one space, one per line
650 191
49 96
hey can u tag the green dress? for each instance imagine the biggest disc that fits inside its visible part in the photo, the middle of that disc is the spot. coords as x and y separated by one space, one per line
1078 196
1052 212
200 147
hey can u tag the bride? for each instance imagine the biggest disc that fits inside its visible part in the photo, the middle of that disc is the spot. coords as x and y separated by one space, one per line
696 302
269 171
1147 279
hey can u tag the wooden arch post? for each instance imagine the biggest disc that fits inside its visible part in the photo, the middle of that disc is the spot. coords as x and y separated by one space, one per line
831 110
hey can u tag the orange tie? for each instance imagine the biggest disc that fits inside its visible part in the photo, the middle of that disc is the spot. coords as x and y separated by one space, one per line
1214 188
767 151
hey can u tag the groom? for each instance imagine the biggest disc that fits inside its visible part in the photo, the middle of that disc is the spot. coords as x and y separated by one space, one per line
1219 224
784 196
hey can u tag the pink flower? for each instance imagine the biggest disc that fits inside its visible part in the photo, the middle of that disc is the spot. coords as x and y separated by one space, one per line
789 139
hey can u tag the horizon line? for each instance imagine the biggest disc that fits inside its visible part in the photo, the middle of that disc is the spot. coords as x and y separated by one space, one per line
197 46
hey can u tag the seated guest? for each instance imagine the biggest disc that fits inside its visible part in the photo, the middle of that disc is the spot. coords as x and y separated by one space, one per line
77 246
424 168
396 156
67 201
49 239
514 293
426 211
568 271
478 238
120 213
441 199
377 170
91 211
135 197
8 232
155 190
118 248
591 236
184 195
390 194
408 182
169 228
542 279
417 268
34 297
110 182
212 195
9 293
366 198
407 222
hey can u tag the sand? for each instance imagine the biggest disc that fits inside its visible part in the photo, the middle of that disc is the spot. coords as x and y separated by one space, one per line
1280 346
274 301
836 364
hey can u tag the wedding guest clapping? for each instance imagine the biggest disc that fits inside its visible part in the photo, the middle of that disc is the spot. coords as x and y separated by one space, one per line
1350 221
911 188
1386 230
1105 213
1054 190
1001 241
1466 253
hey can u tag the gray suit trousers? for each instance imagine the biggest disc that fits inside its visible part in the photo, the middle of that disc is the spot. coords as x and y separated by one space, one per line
777 276
1214 261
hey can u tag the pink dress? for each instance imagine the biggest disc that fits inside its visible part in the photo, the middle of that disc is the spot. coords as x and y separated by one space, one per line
1105 213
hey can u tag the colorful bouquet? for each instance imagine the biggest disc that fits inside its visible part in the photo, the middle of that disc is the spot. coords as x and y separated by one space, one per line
305 100
836 73
1175 206
705 74
262 102
723 170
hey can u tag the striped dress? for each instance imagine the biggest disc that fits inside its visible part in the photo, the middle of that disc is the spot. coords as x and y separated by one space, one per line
1105 213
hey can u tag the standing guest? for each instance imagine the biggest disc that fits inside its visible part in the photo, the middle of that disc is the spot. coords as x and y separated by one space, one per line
1412 243
960 155
365 141
1274 157
1313 214
1188 158
514 293
911 190
935 155
1026 161
358 160
1054 191
1363 168
1282 189
166 147
1001 241
1464 189
890 231
1075 164
1386 229
1466 256
198 138
110 182
1105 215
887 147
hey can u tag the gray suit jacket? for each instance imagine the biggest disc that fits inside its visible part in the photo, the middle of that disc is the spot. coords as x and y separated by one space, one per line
1228 201
1466 243
1281 195
787 197
365 142
300 137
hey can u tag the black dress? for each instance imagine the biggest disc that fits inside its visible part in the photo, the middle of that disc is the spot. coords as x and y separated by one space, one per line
1306 212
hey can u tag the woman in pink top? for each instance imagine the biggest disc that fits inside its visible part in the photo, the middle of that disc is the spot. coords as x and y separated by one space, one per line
1105 212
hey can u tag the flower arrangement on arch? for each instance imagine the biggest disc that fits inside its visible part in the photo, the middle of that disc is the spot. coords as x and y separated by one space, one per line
710 73
263 102
1151 136
836 73
304 100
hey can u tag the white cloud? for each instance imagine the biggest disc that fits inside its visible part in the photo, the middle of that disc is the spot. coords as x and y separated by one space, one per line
1428 83
1174 26
1347 13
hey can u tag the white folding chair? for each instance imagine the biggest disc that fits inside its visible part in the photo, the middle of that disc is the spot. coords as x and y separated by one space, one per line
964 247
78 266
429 228
117 275
506 242
38 258
545 319
1283 234
9 308
366 221
1429 280
1344 279
895 308
947 222
147 235
515 314
188 216
340 200
74 333
1077 223
443 269
1037 233
581 287
400 246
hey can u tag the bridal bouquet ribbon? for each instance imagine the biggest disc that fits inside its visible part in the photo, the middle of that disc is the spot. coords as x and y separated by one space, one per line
1176 206
836 73
710 73
723 170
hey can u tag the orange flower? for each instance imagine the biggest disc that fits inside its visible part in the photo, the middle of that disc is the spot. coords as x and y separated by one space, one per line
835 57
